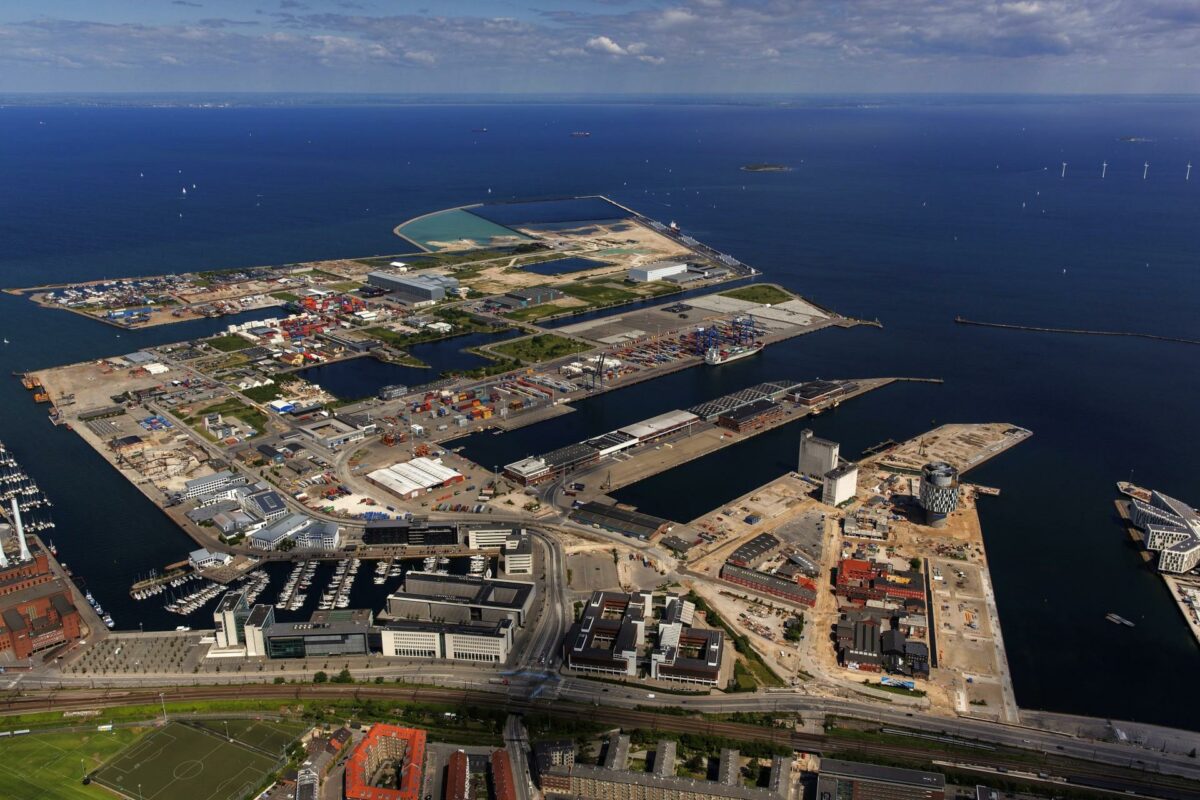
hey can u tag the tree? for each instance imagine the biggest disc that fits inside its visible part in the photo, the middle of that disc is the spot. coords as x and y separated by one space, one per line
320 677
343 677
915 563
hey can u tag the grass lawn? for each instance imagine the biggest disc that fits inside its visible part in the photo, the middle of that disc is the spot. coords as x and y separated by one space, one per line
542 347
535 312
759 293
286 297
180 761
263 394
743 677
229 343
232 407
47 766
344 286
598 294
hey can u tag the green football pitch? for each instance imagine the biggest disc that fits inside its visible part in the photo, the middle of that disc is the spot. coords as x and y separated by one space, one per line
50 766
181 761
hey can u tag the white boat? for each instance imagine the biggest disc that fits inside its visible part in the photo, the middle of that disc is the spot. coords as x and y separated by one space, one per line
716 356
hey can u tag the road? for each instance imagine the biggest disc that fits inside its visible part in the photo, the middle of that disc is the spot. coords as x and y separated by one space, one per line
516 742
1156 775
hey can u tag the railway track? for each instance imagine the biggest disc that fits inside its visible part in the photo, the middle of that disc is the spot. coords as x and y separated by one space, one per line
1146 783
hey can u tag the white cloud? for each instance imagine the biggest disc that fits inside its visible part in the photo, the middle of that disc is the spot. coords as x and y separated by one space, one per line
603 44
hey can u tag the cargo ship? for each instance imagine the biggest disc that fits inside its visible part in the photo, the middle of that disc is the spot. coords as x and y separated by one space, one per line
715 356
1117 619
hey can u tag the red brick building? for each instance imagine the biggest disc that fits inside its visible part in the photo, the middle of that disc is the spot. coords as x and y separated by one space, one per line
859 581
36 609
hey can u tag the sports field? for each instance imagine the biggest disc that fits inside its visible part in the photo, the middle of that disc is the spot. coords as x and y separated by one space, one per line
180 761
265 735
50 766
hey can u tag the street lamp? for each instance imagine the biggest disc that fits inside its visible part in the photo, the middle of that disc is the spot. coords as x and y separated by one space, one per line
162 700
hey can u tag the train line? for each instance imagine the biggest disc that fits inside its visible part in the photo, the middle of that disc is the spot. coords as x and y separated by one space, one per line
1080 772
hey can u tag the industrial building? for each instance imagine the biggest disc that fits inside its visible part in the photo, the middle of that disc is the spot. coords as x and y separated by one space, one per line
532 296
479 642
817 392
1172 529
797 590
333 433
420 288
535 470
817 456
610 638
754 552
751 417
938 492
620 520
411 479
460 598
850 779
840 484
388 756
859 582
37 609
657 271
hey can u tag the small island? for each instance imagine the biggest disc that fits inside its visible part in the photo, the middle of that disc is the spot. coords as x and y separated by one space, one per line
765 167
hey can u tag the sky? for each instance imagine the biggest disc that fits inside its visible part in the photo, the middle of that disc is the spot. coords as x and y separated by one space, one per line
600 46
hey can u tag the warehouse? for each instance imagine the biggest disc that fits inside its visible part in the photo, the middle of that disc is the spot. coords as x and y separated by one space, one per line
422 288
657 271
411 479
802 590
655 428
754 552
814 392
750 417
619 520
533 296
534 470
334 433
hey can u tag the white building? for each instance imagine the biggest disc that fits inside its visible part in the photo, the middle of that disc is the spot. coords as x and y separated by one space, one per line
1172 528
817 455
657 271
841 484
204 558
208 484
411 479
478 642
518 554
480 538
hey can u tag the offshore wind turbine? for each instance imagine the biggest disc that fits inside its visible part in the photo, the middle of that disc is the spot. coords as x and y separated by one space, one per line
1145 170
1064 170
1103 170
1187 176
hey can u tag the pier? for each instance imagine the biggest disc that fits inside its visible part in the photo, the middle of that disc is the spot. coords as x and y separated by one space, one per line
1077 331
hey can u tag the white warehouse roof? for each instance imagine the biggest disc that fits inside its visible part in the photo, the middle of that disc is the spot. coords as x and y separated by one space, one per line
655 426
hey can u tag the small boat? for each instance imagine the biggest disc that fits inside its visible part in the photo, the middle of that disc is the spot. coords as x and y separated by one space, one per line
581 134
1117 619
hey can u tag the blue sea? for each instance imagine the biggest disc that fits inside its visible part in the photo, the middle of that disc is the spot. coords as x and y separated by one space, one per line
909 210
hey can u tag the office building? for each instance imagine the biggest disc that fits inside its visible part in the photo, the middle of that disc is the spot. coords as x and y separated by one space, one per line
388 764
839 779
817 456
586 782
210 483
410 533
460 599
308 785
229 620
479 642
518 554
1172 529
483 537
423 287
611 638
840 484
327 633
938 492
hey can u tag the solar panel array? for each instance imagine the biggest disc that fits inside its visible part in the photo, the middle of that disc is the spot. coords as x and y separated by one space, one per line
744 397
